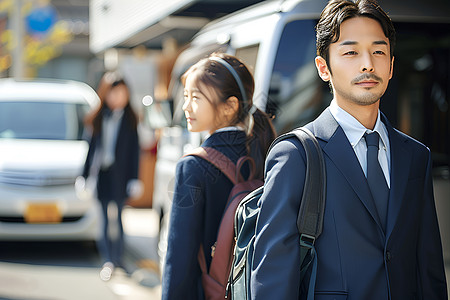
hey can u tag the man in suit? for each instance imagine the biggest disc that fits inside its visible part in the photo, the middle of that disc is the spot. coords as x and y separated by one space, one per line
380 237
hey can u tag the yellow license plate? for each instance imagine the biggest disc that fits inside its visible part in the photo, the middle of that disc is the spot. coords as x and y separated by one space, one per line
42 213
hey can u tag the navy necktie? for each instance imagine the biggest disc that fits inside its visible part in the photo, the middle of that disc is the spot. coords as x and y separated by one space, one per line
375 177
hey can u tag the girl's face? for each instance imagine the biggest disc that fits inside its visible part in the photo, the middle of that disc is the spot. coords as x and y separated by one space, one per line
117 97
198 108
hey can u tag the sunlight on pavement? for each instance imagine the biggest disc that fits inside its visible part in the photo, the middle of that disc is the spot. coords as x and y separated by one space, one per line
22 281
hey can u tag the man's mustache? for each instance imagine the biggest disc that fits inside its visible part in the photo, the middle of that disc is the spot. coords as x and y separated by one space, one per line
366 76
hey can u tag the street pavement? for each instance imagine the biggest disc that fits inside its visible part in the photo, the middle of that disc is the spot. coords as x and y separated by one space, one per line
141 228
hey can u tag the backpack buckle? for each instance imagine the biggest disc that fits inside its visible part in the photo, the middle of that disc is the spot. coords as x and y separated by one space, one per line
307 239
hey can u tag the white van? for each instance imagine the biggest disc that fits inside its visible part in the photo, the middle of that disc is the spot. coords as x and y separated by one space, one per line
277 40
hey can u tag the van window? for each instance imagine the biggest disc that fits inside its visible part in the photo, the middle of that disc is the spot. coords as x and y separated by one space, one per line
296 94
248 56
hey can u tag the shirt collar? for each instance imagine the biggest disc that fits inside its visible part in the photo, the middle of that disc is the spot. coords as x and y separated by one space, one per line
225 129
353 129
230 128
117 114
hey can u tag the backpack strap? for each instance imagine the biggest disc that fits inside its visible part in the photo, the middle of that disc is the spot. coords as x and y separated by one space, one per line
222 250
312 206
310 216
252 166
232 172
220 160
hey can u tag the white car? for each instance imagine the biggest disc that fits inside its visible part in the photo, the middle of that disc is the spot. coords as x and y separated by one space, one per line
42 151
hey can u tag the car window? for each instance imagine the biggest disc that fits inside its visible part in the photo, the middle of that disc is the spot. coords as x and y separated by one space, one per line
296 94
42 120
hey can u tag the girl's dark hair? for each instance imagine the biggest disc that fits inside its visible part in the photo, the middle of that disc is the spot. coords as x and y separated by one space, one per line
337 11
220 82
107 83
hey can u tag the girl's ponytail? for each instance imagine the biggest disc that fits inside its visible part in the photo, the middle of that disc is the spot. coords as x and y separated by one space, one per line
261 135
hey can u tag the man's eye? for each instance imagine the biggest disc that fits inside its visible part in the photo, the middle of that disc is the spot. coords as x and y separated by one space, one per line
379 52
350 53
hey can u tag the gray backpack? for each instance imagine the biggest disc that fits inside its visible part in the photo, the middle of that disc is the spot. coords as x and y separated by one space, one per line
309 221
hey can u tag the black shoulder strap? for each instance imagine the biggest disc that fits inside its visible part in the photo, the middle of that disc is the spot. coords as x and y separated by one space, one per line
310 216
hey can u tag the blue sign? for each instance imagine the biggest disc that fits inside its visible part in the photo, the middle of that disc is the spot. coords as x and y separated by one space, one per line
41 19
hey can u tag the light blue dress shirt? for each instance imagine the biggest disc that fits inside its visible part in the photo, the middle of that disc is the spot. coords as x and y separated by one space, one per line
355 131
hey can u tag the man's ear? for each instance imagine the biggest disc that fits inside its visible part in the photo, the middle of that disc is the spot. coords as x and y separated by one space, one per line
391 71
322 68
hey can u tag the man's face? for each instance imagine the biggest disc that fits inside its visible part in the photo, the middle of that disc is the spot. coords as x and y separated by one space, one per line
360 62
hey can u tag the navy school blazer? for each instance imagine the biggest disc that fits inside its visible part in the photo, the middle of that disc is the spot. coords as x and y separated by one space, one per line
199 200
126 164
356 258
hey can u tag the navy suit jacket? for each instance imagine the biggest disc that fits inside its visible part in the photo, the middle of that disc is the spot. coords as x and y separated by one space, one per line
126 164
356 258
201 194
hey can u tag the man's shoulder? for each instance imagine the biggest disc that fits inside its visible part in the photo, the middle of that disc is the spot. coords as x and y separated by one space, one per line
324 126
286 145
410 141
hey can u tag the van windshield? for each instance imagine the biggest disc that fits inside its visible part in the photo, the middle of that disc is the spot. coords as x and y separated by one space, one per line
41 120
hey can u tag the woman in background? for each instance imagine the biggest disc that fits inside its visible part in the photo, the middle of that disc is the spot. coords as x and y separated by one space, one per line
113 160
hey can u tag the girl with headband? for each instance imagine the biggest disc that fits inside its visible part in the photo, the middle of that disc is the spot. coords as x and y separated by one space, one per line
217 99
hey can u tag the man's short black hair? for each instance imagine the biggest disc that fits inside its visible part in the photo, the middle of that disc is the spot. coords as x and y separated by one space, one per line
337 11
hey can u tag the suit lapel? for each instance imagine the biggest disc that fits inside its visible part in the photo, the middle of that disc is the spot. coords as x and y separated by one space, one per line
339 150
400 165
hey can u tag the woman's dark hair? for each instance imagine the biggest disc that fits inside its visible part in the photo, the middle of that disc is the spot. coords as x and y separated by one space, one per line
107 83
219 80
337 11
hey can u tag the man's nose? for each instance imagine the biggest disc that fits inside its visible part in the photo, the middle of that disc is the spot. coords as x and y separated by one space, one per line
367 63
